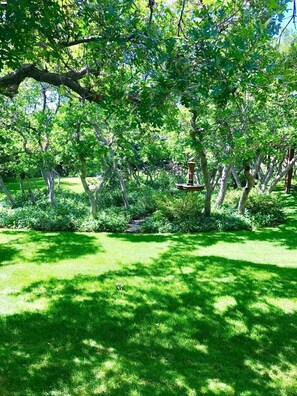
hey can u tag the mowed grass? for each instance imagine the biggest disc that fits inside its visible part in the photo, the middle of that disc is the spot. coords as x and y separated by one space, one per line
126 314
67 183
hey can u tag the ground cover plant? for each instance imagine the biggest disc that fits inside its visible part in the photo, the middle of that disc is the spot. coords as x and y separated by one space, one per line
163 209
200 314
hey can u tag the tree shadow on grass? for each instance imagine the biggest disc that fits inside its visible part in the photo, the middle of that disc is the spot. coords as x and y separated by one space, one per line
284 235
136 238
49 247
181 325
7 253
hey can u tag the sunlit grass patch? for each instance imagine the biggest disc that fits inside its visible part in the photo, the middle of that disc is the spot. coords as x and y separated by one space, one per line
285 304
223 303
119 314
68 183
72 184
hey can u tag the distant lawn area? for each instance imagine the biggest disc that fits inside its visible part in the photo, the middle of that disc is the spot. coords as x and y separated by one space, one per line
127 314
68 183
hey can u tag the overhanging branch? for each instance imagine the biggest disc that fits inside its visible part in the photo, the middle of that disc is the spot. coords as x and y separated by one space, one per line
90 39
10 83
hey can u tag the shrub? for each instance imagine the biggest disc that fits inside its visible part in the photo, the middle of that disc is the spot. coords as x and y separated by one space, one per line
62 217
112 221
143 201
157 223
184 213
65 216
231 200
110 197
261 210
181 207
264 210
164 211
216 222
223 222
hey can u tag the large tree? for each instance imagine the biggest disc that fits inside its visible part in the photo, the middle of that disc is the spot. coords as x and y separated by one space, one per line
91 46
203 55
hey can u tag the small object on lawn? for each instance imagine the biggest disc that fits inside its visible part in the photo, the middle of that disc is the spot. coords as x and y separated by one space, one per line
119 286
190 186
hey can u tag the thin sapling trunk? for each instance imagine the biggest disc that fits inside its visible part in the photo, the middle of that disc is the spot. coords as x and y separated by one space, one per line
7 193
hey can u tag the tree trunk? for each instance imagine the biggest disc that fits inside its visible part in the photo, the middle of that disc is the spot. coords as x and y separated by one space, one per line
250 182
235 176
7 193
268 175
101 185
197 138
59 180
207 182
198 181
223 185
215 178
122 184
35 184
93 203
22 185
282 174
133 174
91 194
113 160
289 175
49 180
31 194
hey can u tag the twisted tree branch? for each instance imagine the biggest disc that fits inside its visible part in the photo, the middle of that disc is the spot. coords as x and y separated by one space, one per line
10 83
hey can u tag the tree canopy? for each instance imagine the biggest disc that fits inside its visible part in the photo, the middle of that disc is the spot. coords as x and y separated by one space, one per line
90 83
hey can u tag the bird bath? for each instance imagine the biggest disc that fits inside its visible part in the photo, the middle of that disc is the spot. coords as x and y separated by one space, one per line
190 186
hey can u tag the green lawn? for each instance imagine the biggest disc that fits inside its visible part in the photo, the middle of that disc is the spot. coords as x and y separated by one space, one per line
68 183
207 314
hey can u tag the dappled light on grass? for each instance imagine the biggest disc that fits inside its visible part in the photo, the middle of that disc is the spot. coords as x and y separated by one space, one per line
149 314
214 328
47 247
284 236
72 184
31 257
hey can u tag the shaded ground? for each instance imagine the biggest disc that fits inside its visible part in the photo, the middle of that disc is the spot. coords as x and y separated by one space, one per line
207 314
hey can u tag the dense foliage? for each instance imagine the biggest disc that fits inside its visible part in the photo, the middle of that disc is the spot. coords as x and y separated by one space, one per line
162 210
123 93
